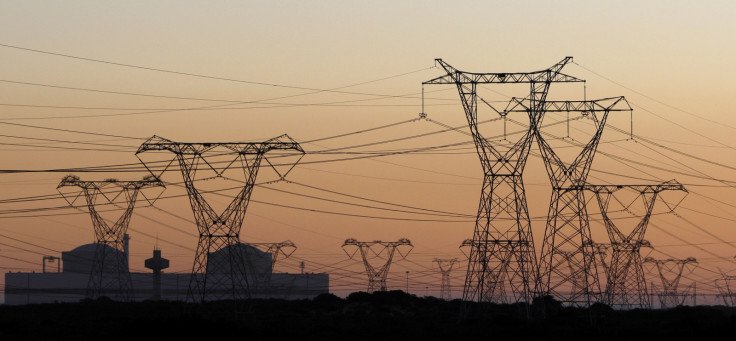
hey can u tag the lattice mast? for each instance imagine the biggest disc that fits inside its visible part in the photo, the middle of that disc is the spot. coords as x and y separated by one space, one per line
670 272
626 287
445 267
283 249
567 268
503 248
726 288
377 249
220 231
110 274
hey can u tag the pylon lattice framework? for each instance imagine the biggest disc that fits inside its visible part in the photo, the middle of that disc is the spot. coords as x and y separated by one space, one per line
368 250
503 247
727 289
567 268
626 286
285 249
110 275
224 279
602 250
445 267
670 272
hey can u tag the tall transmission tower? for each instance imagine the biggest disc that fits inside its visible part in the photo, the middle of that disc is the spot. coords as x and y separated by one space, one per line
110 274
503 247
626 287
377 249
445 267
220 232
670 272
567 268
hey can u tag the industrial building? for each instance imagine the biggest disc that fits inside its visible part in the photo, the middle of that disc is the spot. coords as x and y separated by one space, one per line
70 284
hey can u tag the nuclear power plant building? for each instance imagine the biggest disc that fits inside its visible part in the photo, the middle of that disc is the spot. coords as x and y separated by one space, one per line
71 283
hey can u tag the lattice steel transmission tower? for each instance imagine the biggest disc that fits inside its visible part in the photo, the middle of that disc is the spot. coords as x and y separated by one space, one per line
670 272
371 250
503 247
445 267
254 261
110 274
285 249
567 269
220 232
727 289
626 287
603 253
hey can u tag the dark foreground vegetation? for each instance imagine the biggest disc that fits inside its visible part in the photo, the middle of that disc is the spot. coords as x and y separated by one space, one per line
380 316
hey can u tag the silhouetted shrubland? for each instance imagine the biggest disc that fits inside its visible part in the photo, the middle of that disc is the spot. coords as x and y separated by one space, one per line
379 316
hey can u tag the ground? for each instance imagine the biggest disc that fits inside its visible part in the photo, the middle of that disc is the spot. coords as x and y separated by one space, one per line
380 316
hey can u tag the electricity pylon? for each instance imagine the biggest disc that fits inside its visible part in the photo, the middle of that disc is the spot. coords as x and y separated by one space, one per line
603 251
445 267
503 247
626 287
727 289
285 249
577 279
219 232
567 268
110 274
374 249
670 272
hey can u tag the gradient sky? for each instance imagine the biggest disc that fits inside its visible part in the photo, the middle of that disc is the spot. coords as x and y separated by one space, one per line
671 59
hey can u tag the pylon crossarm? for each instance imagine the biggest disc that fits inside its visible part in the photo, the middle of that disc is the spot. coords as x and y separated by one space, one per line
551 75
610 104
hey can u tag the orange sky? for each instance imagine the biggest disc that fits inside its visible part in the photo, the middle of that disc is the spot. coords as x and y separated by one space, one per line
670 59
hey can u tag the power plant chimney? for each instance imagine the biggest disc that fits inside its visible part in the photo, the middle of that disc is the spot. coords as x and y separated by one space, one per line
157 263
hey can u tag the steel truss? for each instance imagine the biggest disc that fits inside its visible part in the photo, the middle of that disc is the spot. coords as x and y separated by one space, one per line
285 249
502 251
110 274
220 232
670 272
368 250
727 289
445 267
626 286
567 269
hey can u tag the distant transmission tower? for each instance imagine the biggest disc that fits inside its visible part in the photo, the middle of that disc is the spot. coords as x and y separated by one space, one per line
670 272
375 249
445 267
503 247
626 287
220 232
727 289
603 260
285 249
110 274
567 268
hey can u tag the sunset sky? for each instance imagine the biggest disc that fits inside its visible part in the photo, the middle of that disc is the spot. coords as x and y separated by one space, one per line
84 83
